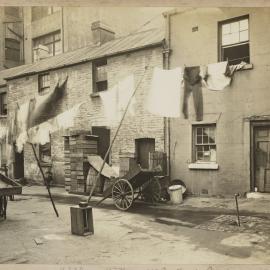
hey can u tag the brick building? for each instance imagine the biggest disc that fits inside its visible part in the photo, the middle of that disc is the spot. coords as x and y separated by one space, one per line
238 116
135 54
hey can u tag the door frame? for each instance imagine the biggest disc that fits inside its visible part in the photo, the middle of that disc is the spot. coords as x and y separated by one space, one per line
253 125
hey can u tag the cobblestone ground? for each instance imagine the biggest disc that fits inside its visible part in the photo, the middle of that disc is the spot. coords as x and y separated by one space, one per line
192 233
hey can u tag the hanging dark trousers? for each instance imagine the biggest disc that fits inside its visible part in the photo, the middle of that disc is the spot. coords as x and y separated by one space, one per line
193 84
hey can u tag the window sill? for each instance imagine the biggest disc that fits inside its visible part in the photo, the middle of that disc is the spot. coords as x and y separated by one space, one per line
3 116
94 95
203 166
45 164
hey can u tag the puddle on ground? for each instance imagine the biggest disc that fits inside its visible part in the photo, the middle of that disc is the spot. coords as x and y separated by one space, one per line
53 237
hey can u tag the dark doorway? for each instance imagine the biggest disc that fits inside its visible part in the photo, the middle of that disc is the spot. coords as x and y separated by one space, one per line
143 147
19 165
103 134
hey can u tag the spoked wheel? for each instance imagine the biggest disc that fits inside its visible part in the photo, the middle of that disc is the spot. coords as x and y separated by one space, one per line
151 191
122 194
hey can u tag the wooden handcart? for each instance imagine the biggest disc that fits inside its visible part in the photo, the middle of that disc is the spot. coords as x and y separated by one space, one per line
8 188
138 183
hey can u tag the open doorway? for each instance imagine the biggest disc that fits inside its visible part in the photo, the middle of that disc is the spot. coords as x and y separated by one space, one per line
143 147
103 134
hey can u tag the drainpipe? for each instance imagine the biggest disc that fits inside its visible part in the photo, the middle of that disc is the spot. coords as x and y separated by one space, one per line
166 64
166 52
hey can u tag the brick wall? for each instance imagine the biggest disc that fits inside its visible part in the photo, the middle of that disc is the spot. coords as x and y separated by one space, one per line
79 88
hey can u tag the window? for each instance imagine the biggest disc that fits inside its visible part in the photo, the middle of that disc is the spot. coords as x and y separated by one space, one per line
12 49
45 153
40 12
52 41
204 146
44 83
3 103
100 82
234 40
12 11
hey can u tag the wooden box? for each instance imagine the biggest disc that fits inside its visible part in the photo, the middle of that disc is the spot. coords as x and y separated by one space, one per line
81 220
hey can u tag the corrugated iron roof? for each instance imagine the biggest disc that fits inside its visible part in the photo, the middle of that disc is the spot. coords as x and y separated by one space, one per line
10 71
120 45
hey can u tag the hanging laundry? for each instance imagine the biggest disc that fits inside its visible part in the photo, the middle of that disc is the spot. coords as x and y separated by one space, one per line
116 99
21 141
109 102
164 95
22 115
40 134
217 79
3 133
126 89
43 107
66 119
233 68
193 84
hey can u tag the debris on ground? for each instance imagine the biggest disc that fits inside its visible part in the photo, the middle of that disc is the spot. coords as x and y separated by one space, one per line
38 241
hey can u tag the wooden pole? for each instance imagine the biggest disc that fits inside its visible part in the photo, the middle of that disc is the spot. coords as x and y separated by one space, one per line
45 182
111 144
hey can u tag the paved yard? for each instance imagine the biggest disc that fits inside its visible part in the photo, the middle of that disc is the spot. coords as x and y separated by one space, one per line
199 231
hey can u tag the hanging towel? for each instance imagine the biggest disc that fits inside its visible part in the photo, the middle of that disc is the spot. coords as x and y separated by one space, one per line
193 84
217 79
21 141
109 102
115 100
66 119
164 95
126 89
40 134
22 116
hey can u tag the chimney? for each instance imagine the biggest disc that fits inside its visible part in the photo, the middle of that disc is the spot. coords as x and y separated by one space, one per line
41 52
101 33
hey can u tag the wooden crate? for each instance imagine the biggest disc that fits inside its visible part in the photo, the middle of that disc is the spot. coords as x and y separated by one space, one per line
81 220
127 162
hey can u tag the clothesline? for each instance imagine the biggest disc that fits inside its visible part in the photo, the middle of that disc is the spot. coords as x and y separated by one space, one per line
170 89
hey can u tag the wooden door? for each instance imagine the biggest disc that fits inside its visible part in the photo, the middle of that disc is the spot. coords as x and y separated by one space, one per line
143 147
103 134
262 158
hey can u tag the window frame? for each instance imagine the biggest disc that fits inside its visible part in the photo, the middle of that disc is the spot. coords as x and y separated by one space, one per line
194 144
95 64
220 46
43 89
9 47
12 11
3 106
53 42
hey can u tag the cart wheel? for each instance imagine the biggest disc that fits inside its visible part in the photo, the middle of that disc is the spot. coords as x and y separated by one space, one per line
122 194
151 191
